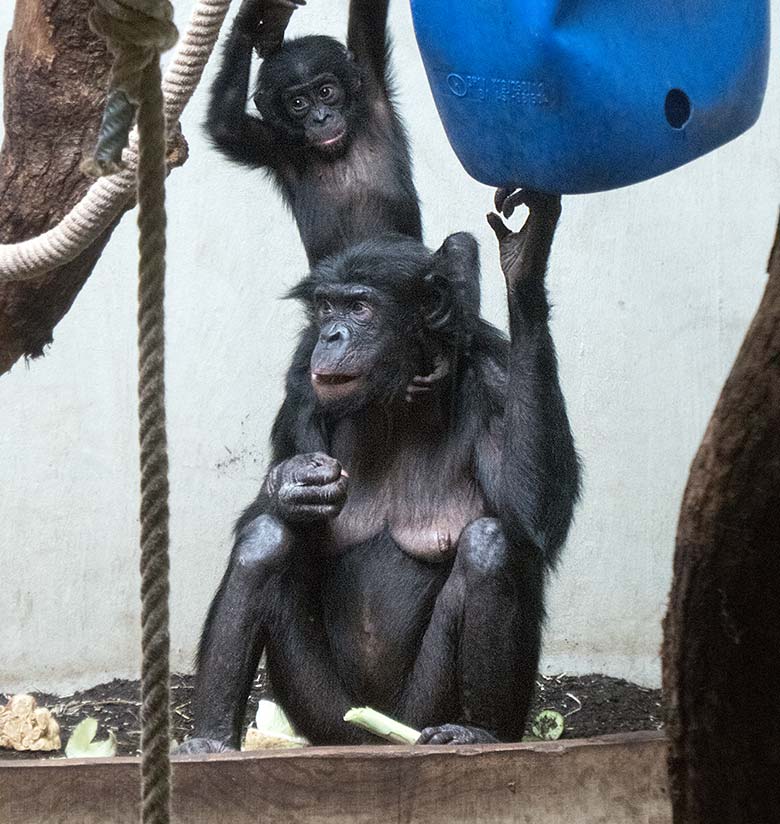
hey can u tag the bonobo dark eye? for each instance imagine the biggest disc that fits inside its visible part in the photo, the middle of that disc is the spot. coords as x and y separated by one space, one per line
323 307
298 105
331 94
360 309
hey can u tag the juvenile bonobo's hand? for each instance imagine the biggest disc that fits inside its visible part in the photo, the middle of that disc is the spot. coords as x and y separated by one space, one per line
523 254
265 21
200 746
307 488
421 385
455 734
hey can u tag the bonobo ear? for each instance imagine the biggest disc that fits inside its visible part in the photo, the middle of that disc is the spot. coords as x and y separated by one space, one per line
453 284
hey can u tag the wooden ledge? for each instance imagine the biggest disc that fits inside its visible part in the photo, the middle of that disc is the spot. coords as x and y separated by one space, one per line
615 779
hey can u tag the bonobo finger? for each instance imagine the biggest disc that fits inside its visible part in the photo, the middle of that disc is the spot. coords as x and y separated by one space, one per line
517 198
317 468
199 746
420 384
325 512
311 513
426 735
316 493
501 195
438 373
415 392
498 226
442 737
435 735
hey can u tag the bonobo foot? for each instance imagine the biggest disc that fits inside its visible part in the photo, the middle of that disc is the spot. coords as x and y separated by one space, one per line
455 734
200 746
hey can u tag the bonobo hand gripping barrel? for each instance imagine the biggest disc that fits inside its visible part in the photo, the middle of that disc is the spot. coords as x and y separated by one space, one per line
584 95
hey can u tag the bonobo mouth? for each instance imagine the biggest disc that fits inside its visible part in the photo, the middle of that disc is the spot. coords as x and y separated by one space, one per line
331 140
334 384
332 143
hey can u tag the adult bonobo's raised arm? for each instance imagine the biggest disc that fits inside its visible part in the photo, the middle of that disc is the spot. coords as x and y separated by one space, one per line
538 482
329 134
396 554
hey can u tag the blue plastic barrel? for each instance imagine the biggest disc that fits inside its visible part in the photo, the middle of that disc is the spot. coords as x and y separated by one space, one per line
585 95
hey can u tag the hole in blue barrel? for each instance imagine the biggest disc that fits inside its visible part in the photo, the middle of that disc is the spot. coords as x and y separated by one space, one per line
677 108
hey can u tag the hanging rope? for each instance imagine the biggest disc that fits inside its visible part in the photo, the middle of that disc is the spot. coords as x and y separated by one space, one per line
155 641
106 198
136 32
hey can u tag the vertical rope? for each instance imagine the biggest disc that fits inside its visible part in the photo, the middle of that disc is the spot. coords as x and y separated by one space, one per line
136 32
155 641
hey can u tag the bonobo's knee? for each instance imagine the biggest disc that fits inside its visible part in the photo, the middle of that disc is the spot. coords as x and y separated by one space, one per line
483 547
263 544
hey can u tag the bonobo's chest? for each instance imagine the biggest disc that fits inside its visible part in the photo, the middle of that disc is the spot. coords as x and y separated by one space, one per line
340 201
364 175
421 495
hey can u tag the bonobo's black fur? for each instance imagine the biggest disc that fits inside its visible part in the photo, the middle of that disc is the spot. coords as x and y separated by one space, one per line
396 554
329 133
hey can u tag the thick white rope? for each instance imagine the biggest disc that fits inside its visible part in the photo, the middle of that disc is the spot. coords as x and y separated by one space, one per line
105 199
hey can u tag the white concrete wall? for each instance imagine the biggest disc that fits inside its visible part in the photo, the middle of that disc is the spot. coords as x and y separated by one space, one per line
653 286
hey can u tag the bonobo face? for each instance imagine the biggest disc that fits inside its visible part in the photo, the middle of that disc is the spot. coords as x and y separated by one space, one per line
349 347
310 92
317 108
381 312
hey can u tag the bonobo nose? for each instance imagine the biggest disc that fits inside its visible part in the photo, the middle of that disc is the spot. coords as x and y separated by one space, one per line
335 333
321 115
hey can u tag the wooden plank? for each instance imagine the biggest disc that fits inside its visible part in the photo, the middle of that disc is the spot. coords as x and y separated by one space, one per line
619 779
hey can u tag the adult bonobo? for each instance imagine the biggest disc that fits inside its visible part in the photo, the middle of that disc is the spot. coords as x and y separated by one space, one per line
329 134
396 554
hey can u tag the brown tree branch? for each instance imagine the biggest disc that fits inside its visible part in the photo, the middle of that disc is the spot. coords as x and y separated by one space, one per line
56 73
721 654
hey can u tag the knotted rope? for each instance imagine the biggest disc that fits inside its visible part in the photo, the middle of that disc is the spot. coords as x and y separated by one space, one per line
136 31
106 198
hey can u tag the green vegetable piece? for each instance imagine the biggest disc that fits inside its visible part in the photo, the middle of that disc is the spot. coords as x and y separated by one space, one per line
548 725
381 726
271 720
81 744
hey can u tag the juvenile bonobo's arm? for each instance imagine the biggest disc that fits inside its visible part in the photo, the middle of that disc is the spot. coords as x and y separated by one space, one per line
260 24
538 482
367 40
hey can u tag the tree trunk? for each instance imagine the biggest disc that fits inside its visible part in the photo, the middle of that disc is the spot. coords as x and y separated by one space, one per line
56 74
56 71
721 655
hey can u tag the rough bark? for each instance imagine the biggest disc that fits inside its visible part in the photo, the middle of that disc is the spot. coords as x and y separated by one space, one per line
721 655
56 73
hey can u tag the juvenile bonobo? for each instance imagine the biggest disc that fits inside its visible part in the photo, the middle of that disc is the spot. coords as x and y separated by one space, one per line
396 555
329 134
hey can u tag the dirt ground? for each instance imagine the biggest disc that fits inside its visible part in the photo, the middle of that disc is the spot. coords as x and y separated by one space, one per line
591 704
